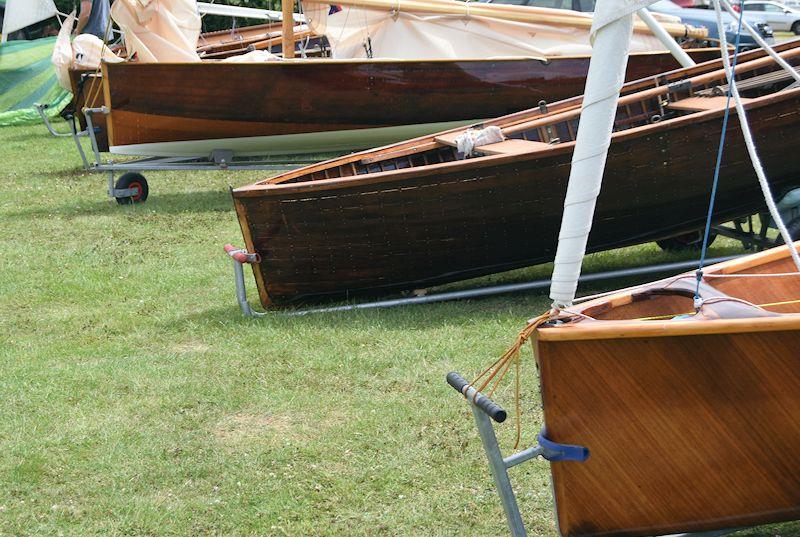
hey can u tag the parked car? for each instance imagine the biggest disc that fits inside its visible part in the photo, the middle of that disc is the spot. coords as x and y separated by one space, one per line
707 18
694 16
779 16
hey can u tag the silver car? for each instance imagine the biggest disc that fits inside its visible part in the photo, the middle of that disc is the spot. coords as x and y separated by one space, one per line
779 16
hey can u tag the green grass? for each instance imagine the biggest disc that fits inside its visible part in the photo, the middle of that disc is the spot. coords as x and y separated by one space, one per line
137 400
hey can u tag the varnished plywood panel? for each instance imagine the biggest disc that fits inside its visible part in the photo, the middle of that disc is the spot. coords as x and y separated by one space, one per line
685 433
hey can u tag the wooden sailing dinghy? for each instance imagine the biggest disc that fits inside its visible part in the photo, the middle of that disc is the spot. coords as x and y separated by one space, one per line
87 85
326 105
692 421
459 65
414 215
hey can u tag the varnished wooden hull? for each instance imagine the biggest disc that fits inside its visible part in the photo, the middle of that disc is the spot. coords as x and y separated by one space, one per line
691 424
413 228
159 109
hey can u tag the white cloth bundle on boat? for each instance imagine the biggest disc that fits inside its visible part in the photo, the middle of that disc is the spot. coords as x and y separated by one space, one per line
89 50
159 30
467 141
86 51
20 14
356 32
254 56
62 52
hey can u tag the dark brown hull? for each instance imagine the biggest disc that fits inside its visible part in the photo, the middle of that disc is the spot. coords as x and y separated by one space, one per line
692 424
435 224
162 103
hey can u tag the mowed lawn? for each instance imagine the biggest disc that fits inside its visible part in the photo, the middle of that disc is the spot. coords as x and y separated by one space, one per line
137 400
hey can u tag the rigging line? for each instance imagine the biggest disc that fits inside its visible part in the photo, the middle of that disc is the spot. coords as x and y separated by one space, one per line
517 405
95 90
760 40
720 151
711 301
767 275
751 149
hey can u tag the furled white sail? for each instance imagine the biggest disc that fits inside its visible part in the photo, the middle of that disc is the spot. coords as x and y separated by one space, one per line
362 32
611 33
22 13
159 30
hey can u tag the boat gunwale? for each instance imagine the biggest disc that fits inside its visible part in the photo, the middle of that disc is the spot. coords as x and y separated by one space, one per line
631 328
280 189
529 115
370 61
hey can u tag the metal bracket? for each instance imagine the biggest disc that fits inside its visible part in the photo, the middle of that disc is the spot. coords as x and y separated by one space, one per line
40 108
222 157
239 258
483 409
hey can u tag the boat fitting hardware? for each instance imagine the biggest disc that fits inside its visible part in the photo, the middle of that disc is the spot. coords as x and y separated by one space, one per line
484 410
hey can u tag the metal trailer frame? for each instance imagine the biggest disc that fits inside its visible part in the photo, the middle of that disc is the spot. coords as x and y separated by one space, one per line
242 257
484 410
124 194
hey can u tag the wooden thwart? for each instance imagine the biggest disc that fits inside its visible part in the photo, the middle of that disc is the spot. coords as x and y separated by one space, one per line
512 146
696 104
506 147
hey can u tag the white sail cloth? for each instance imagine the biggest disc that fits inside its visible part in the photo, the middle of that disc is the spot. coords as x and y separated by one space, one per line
159 30
86 51
22 13
361 33
610 34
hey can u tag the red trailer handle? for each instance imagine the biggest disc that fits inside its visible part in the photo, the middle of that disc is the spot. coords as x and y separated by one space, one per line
242 256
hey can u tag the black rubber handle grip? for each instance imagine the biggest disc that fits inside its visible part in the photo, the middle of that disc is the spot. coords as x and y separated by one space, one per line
492 409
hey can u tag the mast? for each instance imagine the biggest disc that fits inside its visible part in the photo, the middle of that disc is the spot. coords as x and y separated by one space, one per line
287 8
610 36
515 13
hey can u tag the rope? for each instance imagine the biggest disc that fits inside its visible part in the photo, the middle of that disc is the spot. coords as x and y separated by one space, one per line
95 90
760 40
719 299
772 275
503 364
750 144
718 164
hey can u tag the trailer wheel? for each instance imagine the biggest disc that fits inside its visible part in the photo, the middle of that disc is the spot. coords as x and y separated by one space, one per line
132 180
793 227
687 241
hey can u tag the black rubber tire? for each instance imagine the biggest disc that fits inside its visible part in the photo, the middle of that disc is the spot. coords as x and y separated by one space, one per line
793 227
796 28
133 180
688 241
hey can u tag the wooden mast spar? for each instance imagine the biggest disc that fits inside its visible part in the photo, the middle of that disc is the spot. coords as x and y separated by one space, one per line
513 13
287 10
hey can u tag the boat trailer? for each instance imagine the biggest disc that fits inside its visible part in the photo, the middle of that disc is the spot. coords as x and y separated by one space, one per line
242 257
132 186
484 410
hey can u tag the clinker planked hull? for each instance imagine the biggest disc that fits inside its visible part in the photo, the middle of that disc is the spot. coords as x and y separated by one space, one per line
439 223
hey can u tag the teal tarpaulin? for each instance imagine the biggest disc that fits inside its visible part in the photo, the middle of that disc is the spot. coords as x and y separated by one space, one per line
26 78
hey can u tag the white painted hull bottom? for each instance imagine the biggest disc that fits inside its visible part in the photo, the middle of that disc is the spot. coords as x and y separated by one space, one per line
289 144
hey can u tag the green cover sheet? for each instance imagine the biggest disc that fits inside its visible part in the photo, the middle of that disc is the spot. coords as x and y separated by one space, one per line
26 78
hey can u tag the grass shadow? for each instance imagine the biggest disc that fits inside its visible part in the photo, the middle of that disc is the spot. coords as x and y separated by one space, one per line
522 304
201 201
